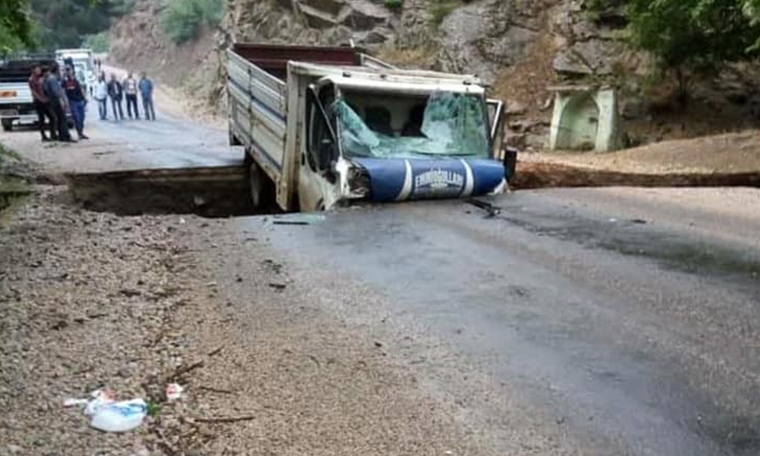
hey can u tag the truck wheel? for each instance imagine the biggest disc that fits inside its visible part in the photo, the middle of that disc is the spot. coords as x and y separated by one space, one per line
7 125
262 187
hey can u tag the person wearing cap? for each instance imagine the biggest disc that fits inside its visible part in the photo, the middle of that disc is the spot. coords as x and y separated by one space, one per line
77 101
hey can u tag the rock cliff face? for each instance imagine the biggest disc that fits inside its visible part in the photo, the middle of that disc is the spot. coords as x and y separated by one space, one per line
519 47
367 23
482 37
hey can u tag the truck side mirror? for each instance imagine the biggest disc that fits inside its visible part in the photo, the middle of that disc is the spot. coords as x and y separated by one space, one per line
496 127
510 163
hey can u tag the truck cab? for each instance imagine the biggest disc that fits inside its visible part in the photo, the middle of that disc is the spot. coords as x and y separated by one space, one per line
386 137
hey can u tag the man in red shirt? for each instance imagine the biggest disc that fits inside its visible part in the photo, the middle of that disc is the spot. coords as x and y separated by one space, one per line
42 103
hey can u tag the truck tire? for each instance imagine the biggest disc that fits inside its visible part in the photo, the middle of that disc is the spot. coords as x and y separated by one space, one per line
234 141
262 187
7 125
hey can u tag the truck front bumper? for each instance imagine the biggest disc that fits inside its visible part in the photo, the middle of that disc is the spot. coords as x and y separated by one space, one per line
18 113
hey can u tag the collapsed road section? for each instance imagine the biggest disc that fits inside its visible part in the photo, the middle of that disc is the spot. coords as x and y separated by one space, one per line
206 191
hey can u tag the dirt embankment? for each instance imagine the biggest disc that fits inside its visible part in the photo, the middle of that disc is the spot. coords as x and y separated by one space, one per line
723 160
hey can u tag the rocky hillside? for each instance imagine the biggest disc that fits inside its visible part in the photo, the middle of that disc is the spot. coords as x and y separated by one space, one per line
520 47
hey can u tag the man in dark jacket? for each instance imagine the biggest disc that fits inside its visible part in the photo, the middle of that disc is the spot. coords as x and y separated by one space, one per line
42 103
116 93
58 103
77 101
146 90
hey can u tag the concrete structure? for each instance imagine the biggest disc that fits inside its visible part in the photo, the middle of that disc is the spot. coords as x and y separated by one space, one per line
585 118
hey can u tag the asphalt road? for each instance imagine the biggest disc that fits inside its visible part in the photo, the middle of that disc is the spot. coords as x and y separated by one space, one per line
168 142
607 321
174 140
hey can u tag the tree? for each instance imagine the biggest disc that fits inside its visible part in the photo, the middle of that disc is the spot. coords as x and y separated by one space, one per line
65 23
15 27
688 36
52 24
751 9
182 20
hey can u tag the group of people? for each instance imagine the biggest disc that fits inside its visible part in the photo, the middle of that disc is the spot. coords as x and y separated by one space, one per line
55 95
117 91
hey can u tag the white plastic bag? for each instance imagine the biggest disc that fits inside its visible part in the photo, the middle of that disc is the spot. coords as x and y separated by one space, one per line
119 416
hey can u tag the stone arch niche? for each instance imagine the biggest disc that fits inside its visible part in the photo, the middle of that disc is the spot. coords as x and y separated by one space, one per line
584 119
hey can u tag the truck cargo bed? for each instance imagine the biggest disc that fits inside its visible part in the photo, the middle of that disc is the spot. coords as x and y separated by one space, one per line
258 95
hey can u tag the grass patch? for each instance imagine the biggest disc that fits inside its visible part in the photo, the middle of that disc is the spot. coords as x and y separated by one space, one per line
7 154
182 20
421 57
440 9
11 188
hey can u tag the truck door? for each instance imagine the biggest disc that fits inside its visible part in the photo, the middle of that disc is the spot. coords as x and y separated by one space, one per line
318 186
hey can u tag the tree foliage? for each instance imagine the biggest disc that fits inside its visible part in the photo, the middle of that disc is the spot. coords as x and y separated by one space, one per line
97 42
15 26
695 34
52 24
183 19
65 23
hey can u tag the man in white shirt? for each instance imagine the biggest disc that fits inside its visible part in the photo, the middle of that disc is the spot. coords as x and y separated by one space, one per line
130 90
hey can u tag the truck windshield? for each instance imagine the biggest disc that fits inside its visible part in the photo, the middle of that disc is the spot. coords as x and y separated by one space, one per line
438 125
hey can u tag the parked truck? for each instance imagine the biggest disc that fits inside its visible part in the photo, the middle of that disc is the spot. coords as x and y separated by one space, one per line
16 103
83 63
323 126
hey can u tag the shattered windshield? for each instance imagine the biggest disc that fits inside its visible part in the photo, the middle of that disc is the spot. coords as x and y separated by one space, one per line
383 126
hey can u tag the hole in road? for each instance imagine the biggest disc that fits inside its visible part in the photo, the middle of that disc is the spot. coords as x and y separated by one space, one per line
208 192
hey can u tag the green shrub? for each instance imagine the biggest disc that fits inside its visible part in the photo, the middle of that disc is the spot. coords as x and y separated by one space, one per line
183 19
393 4
98 42
439 9
121 7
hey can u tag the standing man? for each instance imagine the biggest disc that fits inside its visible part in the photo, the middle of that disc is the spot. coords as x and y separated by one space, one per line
146 90
77 101
130 90
58 102
101 94
116 93
42 104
